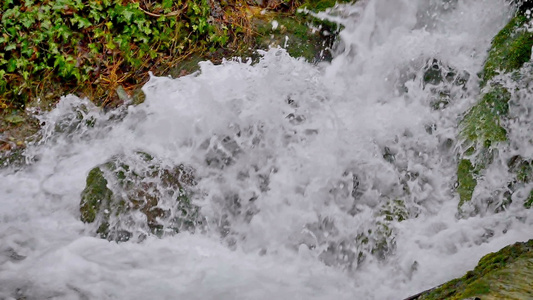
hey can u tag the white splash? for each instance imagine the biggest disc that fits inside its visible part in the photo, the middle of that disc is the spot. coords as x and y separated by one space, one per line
306 160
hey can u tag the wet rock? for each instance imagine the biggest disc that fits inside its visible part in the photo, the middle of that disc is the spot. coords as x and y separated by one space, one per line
375 239
130 197
220 152
444 82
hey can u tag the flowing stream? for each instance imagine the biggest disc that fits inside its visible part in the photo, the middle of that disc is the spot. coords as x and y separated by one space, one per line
328 181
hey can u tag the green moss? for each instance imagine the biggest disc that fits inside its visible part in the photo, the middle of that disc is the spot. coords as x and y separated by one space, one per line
321 5
95 193
511 48
481 128
482 123
506 274
466 180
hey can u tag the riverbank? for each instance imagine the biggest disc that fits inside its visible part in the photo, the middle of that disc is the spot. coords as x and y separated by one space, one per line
105 50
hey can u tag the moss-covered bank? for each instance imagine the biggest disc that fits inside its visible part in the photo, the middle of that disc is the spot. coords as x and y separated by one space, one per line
506 274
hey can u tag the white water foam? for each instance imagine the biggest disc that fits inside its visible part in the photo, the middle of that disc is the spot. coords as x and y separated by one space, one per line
304 162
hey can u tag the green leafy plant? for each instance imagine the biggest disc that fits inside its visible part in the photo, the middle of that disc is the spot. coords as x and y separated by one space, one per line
97 42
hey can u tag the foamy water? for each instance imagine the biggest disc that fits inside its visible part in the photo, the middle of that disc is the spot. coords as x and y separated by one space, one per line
308 158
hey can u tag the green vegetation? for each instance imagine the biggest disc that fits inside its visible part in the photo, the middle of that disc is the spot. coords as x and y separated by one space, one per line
482 123
295 35
466 179
506 274
321 5
511 48
480 128
103 48
103 44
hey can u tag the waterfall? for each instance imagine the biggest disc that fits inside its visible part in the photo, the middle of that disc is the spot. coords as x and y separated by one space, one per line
327 181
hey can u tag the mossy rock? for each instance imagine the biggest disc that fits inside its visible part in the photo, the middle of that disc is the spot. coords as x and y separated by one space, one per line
481 128
132 196
466 180
301 35
510 49
482 123
506 274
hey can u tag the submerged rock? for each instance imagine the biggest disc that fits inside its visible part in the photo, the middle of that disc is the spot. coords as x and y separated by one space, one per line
130 197
443 82
373 240
506 274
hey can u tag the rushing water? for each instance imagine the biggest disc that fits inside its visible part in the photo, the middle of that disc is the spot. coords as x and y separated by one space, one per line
308 160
